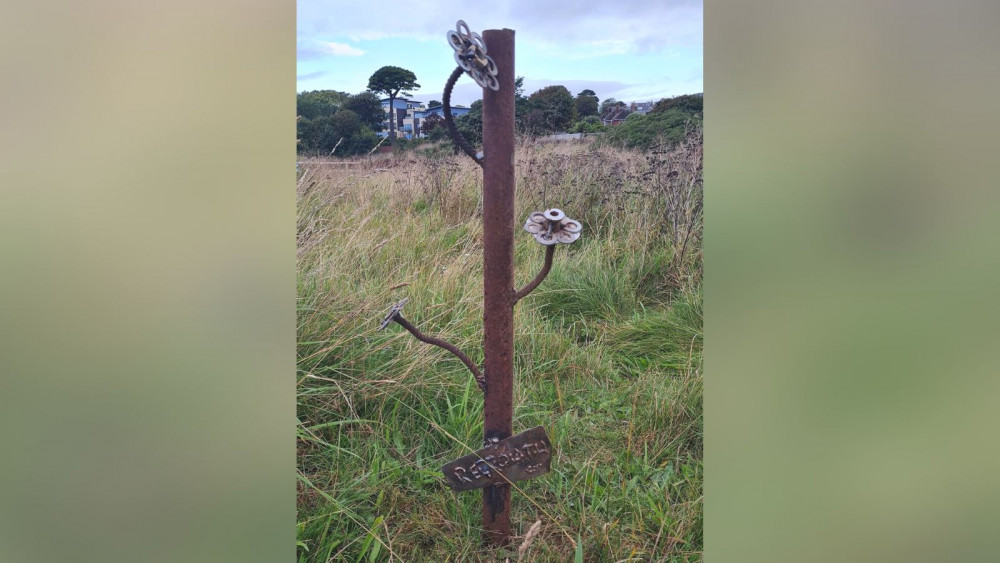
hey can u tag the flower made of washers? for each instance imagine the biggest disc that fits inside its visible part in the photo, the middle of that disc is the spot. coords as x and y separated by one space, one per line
470 54
552 226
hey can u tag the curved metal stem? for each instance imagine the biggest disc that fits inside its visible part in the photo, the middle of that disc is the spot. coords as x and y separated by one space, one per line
480 379
523 292
448 121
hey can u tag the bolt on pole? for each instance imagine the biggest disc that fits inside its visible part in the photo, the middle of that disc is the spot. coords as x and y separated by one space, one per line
498 270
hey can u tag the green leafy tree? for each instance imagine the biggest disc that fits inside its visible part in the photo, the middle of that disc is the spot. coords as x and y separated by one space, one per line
586 103
470 125
610 104
319 103
369 109
433 104
343 131
347 123
589 124
553 106
519 88
693 103
645 131
433 127
391 81
521 106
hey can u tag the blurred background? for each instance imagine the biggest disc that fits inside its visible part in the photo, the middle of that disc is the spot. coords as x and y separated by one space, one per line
147 287
851 276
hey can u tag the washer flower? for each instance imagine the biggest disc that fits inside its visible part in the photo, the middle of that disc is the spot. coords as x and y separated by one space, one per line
552 226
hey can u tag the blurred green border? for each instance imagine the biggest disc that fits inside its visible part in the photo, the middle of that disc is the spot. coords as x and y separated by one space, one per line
851 280
148 289
148 281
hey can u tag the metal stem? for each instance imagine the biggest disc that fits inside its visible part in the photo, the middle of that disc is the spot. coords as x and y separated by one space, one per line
450 122
498 271
523 292
480 379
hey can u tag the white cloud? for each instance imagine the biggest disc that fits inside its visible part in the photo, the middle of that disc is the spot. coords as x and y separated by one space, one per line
310 50
576 27
339 49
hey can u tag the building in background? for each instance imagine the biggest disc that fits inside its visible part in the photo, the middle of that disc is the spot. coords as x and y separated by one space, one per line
409 114
641 107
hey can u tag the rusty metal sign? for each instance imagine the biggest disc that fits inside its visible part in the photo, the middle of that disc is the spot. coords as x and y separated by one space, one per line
524 456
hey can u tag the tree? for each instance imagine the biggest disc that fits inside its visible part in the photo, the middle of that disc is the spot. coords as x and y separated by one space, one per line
521 109
433 104
391 81
693 103
586 103
470 125
556 105
433 127
589 124
369 109
519 88
319 103
645 131
343 131
610 104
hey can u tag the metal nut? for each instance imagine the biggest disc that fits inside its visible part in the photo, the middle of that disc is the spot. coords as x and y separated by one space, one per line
555 215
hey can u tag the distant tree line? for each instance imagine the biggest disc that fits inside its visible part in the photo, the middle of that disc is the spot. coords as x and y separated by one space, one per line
330 121
668 122
554 109
345 124
328 117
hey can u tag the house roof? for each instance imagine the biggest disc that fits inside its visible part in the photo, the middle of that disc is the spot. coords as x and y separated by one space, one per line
401 99
621 114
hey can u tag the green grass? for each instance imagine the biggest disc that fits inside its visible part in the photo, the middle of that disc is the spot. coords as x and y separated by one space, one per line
608 360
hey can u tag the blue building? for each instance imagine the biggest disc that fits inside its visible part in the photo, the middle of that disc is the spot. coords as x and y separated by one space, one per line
409 114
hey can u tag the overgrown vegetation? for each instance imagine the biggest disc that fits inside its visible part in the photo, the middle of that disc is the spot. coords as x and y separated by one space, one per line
667 123
337 121
608 356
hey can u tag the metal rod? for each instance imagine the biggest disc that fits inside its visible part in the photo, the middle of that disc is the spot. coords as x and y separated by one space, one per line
523 292
498 271
480 380
449 121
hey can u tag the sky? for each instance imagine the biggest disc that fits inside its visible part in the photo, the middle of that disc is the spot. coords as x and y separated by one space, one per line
633 50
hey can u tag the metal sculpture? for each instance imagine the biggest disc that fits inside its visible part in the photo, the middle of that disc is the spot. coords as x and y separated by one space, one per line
504 458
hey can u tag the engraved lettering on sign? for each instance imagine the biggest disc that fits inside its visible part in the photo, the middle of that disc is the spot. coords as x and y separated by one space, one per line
460 475
519 457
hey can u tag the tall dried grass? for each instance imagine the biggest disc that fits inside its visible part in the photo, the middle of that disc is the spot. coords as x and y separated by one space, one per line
608 354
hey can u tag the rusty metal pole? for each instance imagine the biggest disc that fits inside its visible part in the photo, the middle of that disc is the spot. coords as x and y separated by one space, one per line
498 271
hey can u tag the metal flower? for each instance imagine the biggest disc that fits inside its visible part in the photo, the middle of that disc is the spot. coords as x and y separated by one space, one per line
552 226
470 54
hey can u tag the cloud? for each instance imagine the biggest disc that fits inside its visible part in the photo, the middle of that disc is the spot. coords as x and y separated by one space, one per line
578 28
311 75
312 49
340 49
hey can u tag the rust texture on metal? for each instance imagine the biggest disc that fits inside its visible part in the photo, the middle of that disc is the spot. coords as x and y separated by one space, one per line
396 314
498 270
523 292
524 456
449 121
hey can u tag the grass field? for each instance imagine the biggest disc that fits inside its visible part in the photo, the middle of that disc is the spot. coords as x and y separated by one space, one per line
608 357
